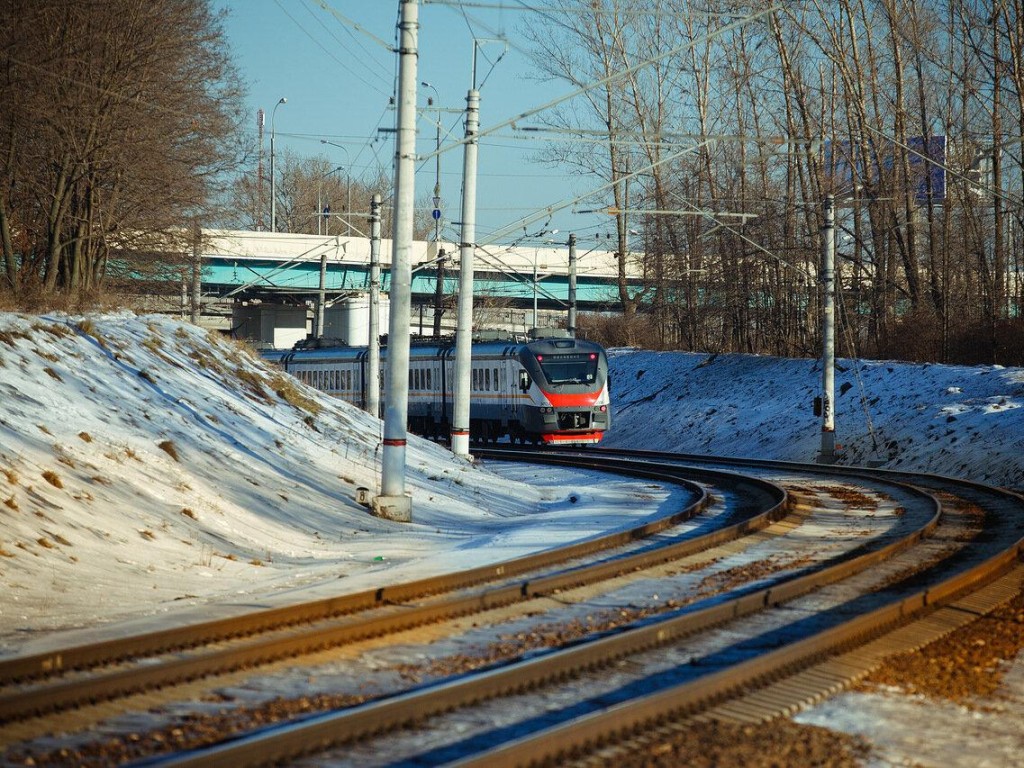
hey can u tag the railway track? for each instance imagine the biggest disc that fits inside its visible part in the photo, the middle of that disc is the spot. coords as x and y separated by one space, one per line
56 680
901 563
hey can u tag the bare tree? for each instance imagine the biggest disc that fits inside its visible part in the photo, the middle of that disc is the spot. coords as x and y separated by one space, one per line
314 197
117 126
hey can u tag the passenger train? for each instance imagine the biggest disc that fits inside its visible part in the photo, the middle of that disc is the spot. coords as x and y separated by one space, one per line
553 390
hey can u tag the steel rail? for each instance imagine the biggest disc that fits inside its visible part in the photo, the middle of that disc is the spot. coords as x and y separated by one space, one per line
283 743
768 501
618 722
29 666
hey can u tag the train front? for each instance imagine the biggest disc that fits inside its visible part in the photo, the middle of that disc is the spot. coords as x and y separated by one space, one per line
566 388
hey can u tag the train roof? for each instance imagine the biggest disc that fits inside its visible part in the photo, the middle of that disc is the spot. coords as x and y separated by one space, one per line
503 348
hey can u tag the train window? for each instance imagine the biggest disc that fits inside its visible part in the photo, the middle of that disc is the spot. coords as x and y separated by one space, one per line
487 379
428 378
476 376
495 379
569 369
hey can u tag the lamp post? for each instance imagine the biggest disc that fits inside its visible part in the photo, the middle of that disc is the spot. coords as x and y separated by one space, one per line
319 199
437 164
273 178
436 213
348 185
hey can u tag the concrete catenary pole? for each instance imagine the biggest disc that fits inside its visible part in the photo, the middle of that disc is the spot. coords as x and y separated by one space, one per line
572 286
828 364
321 296
393 503
464 330
439 294
373 352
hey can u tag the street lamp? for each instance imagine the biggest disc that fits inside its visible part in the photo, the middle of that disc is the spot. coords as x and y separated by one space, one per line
348 180
437 164
273 178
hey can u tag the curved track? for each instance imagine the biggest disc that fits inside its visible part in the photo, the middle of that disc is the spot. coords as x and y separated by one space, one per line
941 539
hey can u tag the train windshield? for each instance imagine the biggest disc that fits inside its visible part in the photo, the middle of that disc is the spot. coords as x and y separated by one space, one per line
569 369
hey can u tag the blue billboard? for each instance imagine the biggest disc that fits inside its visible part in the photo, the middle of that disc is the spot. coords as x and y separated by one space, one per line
850 170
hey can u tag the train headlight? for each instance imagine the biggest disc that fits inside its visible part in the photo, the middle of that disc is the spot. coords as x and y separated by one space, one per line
546 409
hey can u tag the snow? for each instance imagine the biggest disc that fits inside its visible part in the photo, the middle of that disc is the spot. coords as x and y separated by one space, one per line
957 421
151 472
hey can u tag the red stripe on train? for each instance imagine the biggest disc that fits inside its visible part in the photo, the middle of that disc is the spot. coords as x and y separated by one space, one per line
568 401
569 437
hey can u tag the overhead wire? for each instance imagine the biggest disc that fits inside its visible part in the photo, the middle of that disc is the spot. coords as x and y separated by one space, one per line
326 50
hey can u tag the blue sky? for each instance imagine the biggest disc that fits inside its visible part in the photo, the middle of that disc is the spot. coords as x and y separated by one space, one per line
338 80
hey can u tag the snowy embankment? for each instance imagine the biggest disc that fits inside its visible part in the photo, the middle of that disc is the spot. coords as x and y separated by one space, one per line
959 421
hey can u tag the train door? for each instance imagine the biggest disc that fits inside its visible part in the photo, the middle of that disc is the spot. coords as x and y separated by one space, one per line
506 386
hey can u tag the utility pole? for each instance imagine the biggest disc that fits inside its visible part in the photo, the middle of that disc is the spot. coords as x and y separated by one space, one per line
197 276
439 294
373 353
393 503
464 332
572 286
828 365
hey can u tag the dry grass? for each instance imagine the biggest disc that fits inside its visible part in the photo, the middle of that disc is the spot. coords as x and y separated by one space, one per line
9 337
189 513
85 437
206 362
168 447
11 475
286 388
53 479
11 503
44 543
88 327
47 355
254 383
54 329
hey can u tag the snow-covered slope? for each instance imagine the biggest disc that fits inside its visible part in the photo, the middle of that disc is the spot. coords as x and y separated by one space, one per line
951 420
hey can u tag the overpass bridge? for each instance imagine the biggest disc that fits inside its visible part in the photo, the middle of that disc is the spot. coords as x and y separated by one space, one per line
273 268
